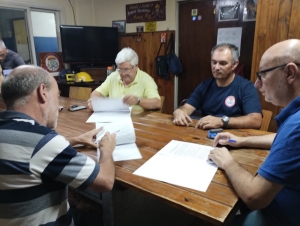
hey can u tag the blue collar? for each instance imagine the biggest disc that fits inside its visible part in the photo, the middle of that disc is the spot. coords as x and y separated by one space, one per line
289 110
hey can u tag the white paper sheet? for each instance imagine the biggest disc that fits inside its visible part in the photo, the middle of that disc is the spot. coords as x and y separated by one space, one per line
124 131
181 163
126 148
109 116
109 110
124 152
231 35
109 104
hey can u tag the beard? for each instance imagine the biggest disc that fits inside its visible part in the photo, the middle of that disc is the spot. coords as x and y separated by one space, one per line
51 120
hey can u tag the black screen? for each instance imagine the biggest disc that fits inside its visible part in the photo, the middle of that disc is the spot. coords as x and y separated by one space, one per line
87 44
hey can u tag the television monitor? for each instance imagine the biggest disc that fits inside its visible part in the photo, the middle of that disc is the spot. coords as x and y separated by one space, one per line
89 44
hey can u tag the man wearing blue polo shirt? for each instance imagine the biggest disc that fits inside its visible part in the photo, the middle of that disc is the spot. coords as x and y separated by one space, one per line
273 194
227 100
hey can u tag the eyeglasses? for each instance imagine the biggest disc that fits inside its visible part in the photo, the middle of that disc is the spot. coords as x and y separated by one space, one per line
127 70
260 73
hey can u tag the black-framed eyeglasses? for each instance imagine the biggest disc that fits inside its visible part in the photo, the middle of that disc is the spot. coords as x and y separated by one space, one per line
127 70
259 73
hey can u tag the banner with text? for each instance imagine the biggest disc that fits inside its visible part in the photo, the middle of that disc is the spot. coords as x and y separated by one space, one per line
146 11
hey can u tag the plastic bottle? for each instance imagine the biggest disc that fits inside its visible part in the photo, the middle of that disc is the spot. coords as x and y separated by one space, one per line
109 70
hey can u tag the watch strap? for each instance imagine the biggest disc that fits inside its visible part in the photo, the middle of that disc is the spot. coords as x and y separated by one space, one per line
225 122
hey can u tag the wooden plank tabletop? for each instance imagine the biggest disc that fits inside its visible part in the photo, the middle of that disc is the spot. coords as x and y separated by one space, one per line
154 130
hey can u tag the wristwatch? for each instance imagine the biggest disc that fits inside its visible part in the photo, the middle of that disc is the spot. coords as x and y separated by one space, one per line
139 100
225 120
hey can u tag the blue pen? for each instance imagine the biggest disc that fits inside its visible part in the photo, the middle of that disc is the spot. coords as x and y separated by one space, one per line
231 141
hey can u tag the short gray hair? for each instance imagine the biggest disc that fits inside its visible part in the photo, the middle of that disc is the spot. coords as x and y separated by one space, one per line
234 51
2 44
127 55
21 82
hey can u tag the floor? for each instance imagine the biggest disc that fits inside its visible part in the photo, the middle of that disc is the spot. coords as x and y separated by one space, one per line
133 208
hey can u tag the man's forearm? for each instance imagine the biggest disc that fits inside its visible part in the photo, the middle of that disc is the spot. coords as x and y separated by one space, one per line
251 121
262 141
150 103
241 180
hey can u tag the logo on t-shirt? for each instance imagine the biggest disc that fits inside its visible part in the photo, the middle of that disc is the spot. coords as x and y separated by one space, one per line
230 101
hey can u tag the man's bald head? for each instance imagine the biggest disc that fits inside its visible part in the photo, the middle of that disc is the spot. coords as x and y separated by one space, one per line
282 52
20 84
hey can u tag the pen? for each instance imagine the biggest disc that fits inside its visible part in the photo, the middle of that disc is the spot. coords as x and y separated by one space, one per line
231 141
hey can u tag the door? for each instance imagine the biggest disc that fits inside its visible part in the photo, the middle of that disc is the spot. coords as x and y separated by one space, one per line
196 39
44 27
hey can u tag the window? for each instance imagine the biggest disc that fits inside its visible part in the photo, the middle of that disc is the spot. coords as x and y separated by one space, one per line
29 31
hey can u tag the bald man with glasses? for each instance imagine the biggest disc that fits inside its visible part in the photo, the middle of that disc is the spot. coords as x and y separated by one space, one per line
135 86
273 194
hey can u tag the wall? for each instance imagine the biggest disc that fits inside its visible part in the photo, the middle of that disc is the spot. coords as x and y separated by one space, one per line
277 20
108 10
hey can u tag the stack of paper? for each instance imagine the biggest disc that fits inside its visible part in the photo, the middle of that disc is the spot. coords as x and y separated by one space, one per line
108 110
181 163
114 116
126 148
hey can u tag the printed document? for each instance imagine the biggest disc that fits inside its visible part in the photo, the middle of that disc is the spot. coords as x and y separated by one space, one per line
108 110
126 148
181 163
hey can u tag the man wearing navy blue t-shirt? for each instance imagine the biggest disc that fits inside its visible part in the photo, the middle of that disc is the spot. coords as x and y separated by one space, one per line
227 100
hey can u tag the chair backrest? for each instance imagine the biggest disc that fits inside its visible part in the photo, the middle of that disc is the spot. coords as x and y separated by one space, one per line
80 93
267 116
162 100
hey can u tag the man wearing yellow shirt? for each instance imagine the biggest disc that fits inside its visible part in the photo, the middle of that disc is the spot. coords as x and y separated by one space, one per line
135 86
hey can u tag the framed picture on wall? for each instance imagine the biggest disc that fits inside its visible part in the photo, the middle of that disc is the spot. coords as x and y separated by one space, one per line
120 24
249 12
229 12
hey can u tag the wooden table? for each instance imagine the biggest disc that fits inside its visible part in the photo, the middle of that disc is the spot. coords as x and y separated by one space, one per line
216 206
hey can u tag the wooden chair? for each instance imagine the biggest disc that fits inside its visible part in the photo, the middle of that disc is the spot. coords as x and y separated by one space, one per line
267 116
80 93
162 100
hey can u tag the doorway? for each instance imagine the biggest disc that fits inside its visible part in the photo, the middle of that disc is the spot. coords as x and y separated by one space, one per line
198 35
14 32
196 39
29 31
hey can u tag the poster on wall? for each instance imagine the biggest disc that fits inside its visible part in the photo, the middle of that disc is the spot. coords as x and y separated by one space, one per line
146 11
231 35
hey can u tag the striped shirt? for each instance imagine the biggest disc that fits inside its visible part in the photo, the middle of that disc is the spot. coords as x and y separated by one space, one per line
36 167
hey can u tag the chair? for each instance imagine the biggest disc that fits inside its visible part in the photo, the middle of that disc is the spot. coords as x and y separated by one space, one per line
162 100
267 116
80 93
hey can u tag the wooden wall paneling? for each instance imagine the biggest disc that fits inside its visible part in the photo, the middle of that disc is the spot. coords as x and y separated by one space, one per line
276 20
146 45
294 31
